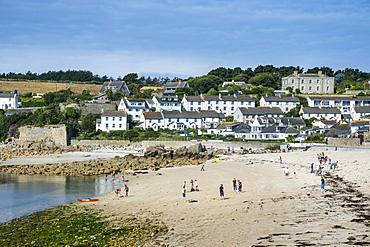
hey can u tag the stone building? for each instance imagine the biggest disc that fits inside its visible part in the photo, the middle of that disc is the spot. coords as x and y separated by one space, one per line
309 83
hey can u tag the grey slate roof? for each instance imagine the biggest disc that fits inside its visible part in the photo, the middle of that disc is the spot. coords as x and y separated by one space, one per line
323 110
293 121
261 110
114 86
7 95
307 75
362 109
282 99
114 114
96 108
152 115
279 129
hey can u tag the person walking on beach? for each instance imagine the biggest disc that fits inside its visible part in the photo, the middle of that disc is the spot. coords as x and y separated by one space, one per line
222 194
322 184
126 190
202 168
183 191
240 186
312 169
234 185
281 160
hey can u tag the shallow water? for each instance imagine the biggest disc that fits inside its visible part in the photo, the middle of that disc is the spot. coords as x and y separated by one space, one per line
25 194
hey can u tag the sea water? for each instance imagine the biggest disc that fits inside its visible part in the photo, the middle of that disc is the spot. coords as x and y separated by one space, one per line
25 194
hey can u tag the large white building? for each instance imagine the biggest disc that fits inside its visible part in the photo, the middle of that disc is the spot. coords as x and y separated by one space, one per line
247 115
223 104
309 83
112 120
9 101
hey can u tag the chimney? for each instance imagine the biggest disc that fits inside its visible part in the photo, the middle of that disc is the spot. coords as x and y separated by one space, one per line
320 72
295 72
219 96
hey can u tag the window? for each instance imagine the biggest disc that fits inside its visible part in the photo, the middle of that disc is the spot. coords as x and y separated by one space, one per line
310 88
310 81
318 81
120 126
327 88
302 88
302 81
224 108
106 118
113 118
191 103
292 80
113 125
325 103
318 89
232 102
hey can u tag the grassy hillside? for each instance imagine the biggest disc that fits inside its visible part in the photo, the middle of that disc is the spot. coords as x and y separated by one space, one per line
46 87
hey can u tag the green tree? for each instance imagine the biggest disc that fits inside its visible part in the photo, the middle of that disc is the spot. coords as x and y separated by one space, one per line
204 83
131 78
265 80
88 123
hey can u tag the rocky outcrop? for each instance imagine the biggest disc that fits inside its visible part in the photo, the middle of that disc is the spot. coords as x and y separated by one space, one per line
154 159
35 150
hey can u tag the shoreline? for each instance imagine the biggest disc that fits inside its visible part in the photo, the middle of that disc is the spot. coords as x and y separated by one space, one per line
271 210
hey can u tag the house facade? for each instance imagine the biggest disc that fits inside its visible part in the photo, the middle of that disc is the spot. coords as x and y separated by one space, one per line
171 87
9 101
166 103
112 120
247 115
326 113
309 83
133 107
226 105
181 120
360 112
285 103
344 103
114 86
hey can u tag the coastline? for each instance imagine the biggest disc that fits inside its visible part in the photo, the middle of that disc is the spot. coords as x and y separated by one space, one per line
271 210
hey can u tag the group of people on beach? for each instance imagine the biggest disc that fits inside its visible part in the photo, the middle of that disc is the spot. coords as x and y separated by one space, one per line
117 191
237 185
193 187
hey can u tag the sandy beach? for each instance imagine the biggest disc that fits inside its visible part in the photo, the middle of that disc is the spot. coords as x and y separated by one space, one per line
271 210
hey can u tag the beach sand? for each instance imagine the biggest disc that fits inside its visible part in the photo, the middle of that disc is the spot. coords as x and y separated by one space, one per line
272 210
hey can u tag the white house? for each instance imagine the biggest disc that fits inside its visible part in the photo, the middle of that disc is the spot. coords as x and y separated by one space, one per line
181 120
327 113
248 114
166 103
324 124
9 100
133 107
343 103
360 112
285 103
223 104
112 120
274 133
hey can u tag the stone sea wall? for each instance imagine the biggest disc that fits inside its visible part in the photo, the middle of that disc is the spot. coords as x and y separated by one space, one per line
49 135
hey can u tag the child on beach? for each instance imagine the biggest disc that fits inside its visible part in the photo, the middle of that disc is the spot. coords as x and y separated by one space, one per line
126 190
183 191
286 172
222 194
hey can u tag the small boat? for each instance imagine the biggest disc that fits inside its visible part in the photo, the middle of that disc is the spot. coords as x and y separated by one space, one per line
88 200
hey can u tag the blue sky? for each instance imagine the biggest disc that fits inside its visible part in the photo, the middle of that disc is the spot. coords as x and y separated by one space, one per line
182 37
